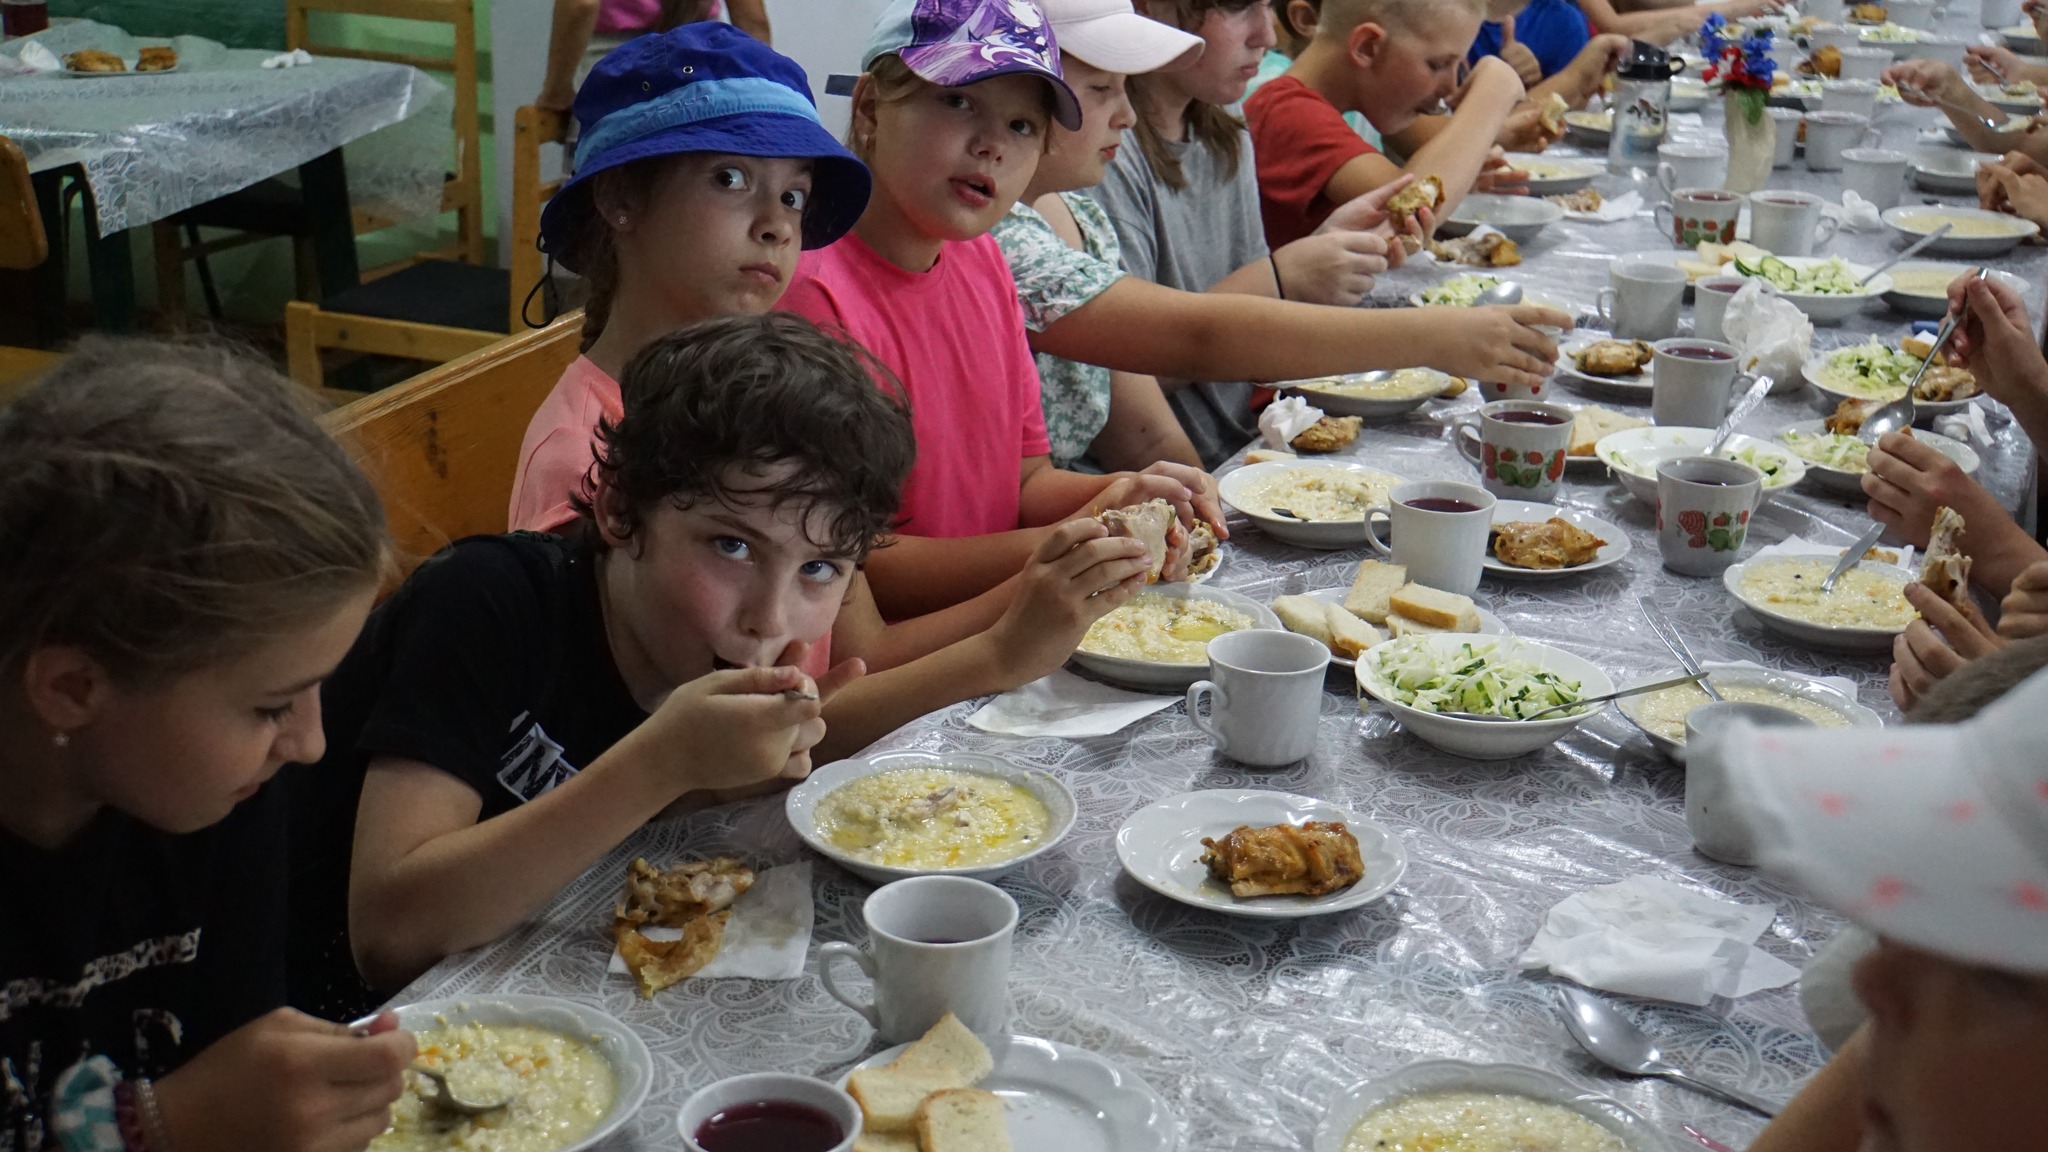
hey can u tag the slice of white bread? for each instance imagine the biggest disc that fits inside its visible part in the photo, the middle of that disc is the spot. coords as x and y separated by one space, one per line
889 1096
885 1142
1262 455
1447 611
1592 422
950 1047
962 1120
1304 614
1372 588
1349 635
1399 626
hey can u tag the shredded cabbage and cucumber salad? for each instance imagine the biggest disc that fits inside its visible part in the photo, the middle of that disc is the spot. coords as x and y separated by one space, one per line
1469 678
1829 277
1461 291
1829 449
1871 370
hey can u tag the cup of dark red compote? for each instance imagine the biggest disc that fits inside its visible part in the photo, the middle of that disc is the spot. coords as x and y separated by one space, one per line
769 1112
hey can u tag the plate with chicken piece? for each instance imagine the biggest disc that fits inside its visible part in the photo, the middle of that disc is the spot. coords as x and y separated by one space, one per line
1533 541
1602 366
1273 846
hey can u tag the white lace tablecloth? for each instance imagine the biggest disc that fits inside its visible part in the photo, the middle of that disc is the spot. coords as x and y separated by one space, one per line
1250 1028
155 144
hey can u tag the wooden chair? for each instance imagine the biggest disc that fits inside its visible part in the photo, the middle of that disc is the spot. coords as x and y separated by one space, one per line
23 245
437 310
443 447
273 208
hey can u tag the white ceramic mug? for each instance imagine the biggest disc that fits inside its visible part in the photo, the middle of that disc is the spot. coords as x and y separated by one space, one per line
1876 174
1697 214
1265 693
1999 13
1829 134
1710 299
1693 380
1857 97
1703 508
1950 50
1787 120
1519 447
1718 830
936 944
1788 223
1443 547
1691 165
1841 37
1864 63
1642 299
1914 14
769 1088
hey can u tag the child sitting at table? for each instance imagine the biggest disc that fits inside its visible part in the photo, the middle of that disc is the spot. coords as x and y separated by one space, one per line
1084 311
951 112
1392 60
525 702
1294 23
187 556
581 32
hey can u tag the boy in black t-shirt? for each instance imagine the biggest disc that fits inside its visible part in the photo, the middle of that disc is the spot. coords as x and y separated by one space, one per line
186 556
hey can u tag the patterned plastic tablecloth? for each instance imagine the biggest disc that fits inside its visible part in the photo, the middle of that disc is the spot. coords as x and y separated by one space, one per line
1250 1028
153 144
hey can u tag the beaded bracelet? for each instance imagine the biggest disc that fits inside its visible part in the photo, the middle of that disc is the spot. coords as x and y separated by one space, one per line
154 1137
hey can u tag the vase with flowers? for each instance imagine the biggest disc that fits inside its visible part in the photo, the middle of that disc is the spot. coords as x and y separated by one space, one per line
1739 66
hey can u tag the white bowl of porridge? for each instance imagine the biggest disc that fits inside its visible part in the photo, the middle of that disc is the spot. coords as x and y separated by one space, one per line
1661 715
929 814
1310 504
1865 610
1504 1107
1160 637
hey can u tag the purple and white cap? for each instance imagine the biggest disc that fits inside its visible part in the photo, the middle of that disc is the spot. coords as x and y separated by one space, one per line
958 42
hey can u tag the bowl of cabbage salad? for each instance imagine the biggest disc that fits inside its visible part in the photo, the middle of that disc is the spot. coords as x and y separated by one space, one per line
1634 453
1874 370
1827 288
1418 678
1836 463
1464 290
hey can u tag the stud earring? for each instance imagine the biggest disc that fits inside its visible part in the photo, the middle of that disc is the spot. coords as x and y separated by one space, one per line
61 739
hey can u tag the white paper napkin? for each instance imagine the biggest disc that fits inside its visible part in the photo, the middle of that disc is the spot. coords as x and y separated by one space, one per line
38 58
1801 546
1856 213
1966 424
768 934
1286 418
1064 704
1771 336
292 59
1615 208
1646 936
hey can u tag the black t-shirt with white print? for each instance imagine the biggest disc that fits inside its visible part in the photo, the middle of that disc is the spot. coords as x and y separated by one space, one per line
134 944
491 664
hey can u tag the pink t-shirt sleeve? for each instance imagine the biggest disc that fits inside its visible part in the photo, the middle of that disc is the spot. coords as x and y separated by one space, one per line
557 452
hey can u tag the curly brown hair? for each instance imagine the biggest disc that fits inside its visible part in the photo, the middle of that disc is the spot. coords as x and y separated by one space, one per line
169 506
751 394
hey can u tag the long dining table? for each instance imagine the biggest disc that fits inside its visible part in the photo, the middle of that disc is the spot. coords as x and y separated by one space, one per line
1250 1028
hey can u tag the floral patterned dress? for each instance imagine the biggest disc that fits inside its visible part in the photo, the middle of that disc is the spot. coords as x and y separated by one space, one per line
1054 279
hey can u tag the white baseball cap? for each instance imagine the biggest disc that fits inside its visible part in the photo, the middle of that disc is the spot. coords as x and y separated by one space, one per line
1934 835
1112 36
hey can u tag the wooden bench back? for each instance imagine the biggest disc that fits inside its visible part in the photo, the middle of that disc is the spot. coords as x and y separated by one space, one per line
443 447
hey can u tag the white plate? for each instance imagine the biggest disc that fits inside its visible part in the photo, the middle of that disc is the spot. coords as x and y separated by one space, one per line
1369 407
1687 95
1147 674
1832 396
1910 221
1590 130
1836 307
1492 739
76 75
1434 1076
1519 218
1326 534
1508 511
1489 624
1833 637
1634 389
1791 683
1951 171
1550 175
2016 105
2012 124
1935 305
1057 1096
2023 39
1161 847
801 806
1634 453
632 1065
1528 297
1849 485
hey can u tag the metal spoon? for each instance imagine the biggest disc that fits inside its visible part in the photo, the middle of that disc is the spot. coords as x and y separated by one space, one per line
1616 1042
1901 413
1672 640
1740 412
1852 555
1638 690
445 1095
1915 246
1995 125
1504 293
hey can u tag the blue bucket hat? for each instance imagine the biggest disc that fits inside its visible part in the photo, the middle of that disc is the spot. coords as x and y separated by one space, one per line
953 43
704 87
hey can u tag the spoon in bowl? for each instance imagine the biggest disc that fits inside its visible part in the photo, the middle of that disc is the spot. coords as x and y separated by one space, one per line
1912 248
1901 413
1635 691
446 1095
1504 293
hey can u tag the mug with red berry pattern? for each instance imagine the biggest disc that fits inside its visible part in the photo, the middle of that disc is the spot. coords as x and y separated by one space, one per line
1704 505
1518 446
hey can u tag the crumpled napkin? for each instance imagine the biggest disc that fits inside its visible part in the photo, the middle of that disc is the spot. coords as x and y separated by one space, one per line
37 58
1966 424
1771 336
768 934
1856 213
1064 704
292 59
1286 418
1801 546
1614 208
1647 936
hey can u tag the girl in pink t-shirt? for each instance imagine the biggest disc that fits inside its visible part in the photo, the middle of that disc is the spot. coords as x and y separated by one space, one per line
952 114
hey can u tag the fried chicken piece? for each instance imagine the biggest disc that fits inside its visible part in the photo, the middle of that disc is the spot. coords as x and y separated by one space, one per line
94 60
1873 13
1329 434
1148 523
1427 192
687 891
1848 417
1946 569
1613 357
159 59
1555 543
1492 250
1584 200
656 964
1281 860
1946 382
1826 62
1203 554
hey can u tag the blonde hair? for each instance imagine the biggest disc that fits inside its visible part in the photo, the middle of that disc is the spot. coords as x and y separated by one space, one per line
1209 125
893 82
170 506
1340 17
